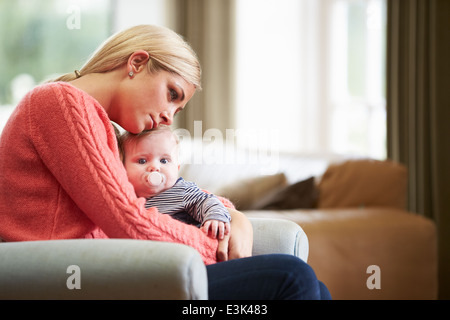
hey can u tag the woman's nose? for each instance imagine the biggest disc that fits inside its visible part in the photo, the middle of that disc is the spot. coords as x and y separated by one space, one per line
166 118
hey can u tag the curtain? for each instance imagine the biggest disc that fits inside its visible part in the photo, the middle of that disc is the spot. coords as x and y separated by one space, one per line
208 26
418 111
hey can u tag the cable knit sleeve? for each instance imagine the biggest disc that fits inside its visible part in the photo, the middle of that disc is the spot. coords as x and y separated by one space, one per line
76 141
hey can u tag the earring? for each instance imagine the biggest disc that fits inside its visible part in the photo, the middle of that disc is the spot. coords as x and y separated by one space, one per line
131 74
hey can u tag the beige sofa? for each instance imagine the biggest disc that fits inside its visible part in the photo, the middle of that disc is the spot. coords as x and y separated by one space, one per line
363 243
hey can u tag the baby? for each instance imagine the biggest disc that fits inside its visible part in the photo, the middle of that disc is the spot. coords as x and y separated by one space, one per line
151 161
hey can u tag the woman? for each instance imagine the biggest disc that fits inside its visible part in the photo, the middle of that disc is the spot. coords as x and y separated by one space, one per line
61 174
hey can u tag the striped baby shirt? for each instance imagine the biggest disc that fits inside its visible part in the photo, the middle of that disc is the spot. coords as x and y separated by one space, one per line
186 202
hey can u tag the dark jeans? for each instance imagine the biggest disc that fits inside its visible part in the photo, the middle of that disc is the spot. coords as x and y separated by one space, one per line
265 277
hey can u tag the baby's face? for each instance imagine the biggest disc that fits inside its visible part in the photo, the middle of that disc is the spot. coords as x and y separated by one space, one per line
155 152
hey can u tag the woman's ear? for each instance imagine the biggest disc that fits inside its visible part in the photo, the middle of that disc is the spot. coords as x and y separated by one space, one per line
137 61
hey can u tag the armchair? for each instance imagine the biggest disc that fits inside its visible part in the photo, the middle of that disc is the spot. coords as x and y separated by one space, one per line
125 268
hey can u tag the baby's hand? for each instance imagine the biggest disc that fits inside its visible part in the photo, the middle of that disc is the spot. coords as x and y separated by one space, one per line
216 229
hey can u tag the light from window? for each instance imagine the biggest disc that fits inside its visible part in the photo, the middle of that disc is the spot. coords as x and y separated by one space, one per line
44 38
312 73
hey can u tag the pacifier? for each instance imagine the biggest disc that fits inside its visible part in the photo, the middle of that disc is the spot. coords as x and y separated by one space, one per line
154 178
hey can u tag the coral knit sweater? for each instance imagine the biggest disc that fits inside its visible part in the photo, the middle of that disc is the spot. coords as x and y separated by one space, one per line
61 177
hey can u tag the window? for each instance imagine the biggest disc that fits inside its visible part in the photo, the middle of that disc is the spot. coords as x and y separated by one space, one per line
311 74
42 38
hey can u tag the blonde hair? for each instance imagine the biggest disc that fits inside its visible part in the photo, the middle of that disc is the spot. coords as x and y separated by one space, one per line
168 51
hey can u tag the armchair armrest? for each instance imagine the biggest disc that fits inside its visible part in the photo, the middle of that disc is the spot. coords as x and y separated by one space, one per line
107 269
124 268
279 236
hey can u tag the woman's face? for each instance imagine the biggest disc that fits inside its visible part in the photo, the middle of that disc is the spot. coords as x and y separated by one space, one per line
147 100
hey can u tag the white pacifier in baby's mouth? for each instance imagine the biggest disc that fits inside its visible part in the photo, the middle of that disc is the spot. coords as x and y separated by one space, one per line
154 178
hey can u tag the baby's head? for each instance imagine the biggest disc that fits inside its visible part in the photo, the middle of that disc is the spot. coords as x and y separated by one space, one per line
150 151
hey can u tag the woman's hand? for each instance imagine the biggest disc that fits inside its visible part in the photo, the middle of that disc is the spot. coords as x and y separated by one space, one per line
239 243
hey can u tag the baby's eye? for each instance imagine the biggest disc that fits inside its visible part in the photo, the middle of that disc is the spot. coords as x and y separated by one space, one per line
164 161
142 161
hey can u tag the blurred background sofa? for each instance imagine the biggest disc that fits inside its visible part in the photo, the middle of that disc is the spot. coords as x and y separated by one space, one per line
353 212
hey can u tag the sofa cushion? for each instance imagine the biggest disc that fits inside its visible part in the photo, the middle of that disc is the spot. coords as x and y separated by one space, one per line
344 242
246 192
363 183
301 195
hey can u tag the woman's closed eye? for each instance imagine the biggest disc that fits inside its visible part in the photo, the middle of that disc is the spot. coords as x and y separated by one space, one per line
176 93
173 95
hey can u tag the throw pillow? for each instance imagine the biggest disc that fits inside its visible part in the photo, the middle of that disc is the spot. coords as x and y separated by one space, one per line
301 195
363 183
244 193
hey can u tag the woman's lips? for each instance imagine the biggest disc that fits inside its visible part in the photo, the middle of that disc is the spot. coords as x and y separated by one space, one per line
151 124
154 123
